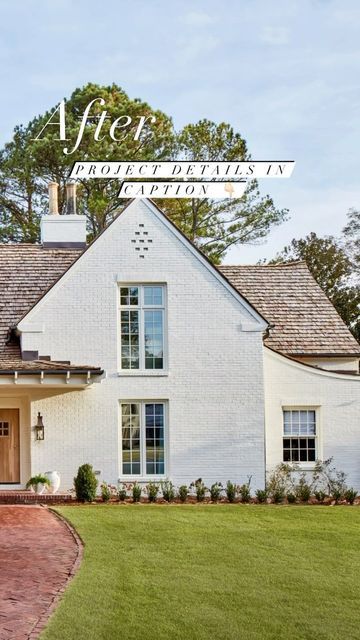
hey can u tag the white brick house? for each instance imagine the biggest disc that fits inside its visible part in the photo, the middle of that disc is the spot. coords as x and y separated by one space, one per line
147 362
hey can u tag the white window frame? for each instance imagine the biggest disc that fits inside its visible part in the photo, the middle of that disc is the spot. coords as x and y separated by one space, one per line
142 308
143 476
304 465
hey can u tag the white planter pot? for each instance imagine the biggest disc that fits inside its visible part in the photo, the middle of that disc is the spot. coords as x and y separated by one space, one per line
40 488
54 479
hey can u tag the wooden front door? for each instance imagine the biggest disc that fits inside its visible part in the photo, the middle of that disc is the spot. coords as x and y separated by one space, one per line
9 446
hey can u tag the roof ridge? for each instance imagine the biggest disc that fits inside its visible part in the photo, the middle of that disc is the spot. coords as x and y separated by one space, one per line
277 264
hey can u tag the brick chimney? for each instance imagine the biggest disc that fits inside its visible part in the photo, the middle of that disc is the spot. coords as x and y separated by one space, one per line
67 231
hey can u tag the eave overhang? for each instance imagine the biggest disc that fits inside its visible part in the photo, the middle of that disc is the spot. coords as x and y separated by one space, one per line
54 378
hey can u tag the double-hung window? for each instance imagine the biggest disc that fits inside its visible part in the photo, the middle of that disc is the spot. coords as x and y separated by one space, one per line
143 435
142 318
299 435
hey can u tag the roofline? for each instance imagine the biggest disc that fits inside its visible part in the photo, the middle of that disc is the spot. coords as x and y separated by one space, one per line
178 230
22 372
205 257
291 263
315 370
304 354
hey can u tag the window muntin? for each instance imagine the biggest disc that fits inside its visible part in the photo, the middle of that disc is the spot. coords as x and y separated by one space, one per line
142 310
143 435
299 435
4 429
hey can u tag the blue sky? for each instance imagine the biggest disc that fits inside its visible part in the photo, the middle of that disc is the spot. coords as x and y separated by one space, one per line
285 74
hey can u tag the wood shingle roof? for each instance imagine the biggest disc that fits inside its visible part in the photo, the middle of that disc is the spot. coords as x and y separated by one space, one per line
304 320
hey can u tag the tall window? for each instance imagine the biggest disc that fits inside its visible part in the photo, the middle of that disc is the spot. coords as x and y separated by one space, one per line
142 309
299 437
142 425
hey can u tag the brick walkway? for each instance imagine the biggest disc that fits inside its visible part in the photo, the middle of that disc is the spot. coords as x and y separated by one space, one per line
38 555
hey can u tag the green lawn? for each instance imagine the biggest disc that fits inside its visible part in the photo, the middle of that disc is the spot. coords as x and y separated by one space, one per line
234 572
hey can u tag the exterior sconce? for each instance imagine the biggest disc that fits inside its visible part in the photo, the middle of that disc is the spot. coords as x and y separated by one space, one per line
39 428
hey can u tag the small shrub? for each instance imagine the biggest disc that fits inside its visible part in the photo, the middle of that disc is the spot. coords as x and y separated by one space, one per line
105 492
183 493
291 497
231 491
320 495
244 491
85 483
122 492
168 490
39 479
261 495
152 490
303 489
350 495
278 495
200 489
215 491
279 482
136 492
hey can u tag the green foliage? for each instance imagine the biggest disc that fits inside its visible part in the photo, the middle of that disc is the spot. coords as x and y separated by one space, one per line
168 490
320 496
39 479
302 489
152 490
327 477
291 497
350 495
279 482
27 165
231 491
216 225
244 491
215 491
183 493
122 492
136 492
105 492
85 483
200 489
261 495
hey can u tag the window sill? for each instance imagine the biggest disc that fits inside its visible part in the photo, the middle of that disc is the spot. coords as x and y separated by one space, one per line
157 373
141 480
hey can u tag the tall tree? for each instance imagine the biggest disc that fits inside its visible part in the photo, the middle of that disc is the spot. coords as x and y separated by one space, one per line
332 268
352 240
27 164
216 225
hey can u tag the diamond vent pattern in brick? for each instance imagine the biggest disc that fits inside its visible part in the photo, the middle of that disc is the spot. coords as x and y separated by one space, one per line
141 241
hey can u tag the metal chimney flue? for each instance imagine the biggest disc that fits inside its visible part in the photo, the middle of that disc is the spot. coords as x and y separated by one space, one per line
53 198
71 198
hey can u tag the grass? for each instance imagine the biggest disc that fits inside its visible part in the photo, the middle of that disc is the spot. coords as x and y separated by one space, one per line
231 572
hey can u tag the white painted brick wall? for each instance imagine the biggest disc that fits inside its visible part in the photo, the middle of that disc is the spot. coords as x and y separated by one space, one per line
337 398
215 383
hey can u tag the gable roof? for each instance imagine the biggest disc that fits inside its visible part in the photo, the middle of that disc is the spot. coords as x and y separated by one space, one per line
257 321
26 273
305 321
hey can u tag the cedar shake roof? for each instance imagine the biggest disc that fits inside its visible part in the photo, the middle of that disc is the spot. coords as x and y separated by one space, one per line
26 273
305 321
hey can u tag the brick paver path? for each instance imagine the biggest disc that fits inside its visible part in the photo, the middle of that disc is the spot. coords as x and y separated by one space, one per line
38 554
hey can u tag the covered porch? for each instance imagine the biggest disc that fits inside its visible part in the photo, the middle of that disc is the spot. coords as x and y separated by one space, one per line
23 429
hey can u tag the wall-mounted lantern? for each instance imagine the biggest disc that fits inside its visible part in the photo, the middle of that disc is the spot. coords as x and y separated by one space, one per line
39 428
